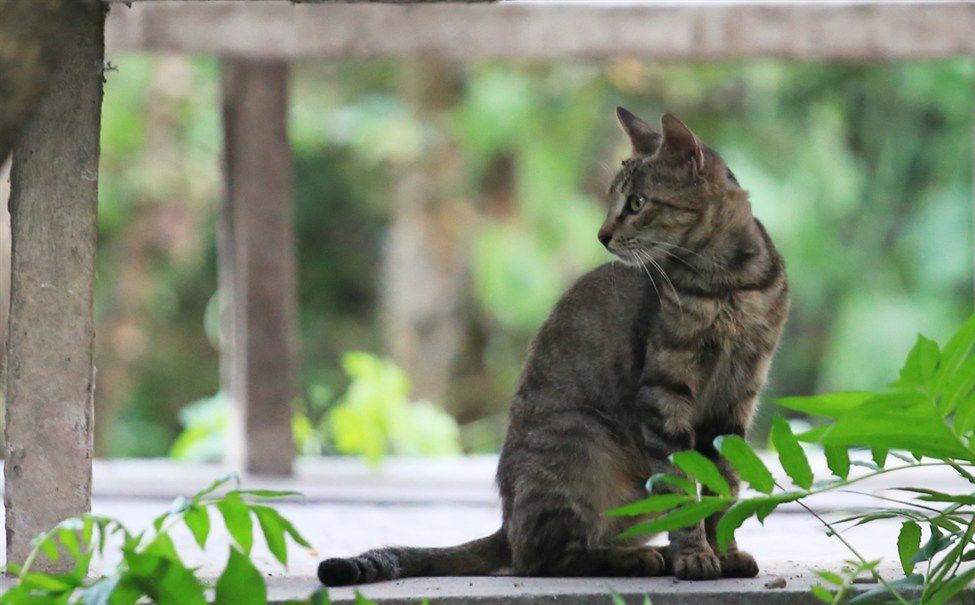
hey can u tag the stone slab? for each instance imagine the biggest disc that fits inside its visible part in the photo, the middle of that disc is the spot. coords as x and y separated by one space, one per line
350 507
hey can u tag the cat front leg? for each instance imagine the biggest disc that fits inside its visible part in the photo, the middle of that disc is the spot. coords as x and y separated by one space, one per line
735 563
666 406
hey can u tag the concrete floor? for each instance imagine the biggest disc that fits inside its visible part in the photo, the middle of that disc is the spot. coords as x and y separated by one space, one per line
349 507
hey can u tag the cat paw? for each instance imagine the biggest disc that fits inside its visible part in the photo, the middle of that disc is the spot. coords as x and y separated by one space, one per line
738 565
654 563
700 565
642 563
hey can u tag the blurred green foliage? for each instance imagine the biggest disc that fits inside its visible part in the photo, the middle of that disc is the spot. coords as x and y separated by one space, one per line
376 417
862 174
373 418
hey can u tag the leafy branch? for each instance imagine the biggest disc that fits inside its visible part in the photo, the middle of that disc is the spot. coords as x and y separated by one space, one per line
925 418
150 567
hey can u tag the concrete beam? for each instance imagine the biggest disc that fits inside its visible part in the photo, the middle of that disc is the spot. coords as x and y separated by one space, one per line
867 31
49 370
571 591
258 264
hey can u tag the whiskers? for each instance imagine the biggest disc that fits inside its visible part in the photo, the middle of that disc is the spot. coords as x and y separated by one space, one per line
643 256
637 255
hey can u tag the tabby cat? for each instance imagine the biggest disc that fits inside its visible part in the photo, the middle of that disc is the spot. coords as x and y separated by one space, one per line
658 352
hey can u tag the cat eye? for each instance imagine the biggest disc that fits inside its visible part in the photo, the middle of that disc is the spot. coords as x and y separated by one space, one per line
635 202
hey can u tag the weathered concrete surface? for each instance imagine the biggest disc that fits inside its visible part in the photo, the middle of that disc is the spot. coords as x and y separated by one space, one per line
49 371
262 285
350 508
661 30
788 546
572 591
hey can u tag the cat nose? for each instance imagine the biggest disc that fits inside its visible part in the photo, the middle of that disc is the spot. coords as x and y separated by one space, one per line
605 237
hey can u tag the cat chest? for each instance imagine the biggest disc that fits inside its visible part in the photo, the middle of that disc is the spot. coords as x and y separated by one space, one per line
715 325
715 343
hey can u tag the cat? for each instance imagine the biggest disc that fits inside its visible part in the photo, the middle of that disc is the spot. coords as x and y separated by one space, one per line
660 351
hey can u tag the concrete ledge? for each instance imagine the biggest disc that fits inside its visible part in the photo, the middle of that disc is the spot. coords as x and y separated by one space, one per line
350 508
570 591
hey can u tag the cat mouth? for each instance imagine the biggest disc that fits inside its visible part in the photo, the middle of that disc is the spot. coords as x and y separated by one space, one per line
630 256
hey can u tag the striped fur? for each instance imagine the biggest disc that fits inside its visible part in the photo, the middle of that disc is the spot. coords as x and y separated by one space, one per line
661 351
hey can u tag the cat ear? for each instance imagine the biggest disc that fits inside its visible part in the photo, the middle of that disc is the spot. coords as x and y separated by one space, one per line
681 143
642 136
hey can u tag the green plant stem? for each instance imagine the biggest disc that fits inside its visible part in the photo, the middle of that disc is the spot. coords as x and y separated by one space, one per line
863 561
852 549
847 482
895 501
941 568
961 471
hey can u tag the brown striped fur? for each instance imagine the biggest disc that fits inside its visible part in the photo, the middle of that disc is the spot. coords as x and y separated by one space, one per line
661 351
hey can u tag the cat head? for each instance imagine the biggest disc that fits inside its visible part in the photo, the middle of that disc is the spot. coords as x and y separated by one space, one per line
673 193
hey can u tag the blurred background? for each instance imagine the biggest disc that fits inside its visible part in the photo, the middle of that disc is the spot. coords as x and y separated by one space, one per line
441 210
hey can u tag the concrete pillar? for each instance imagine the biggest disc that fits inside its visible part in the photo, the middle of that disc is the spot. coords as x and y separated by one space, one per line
258 265
49 371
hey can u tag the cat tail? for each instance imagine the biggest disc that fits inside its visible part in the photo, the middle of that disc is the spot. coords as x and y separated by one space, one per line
475 558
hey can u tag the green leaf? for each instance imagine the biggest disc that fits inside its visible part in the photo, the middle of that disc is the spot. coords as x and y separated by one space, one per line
930 495
236 516
874 593
829 576
732 520
197 519
741 510
746 461
685 516
178 506
821 593
903 420
11 568
951 588
217 484
879 456
957 348
88 524
957 385
653 504
832 405
162 546
240 583
838 460
69 539
703 470
49 548
361 599
919 367
908 542
679 482
46 582
791 456
165 581
126 592
617 599
320 597
273 531
935 544
964 419
294 533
